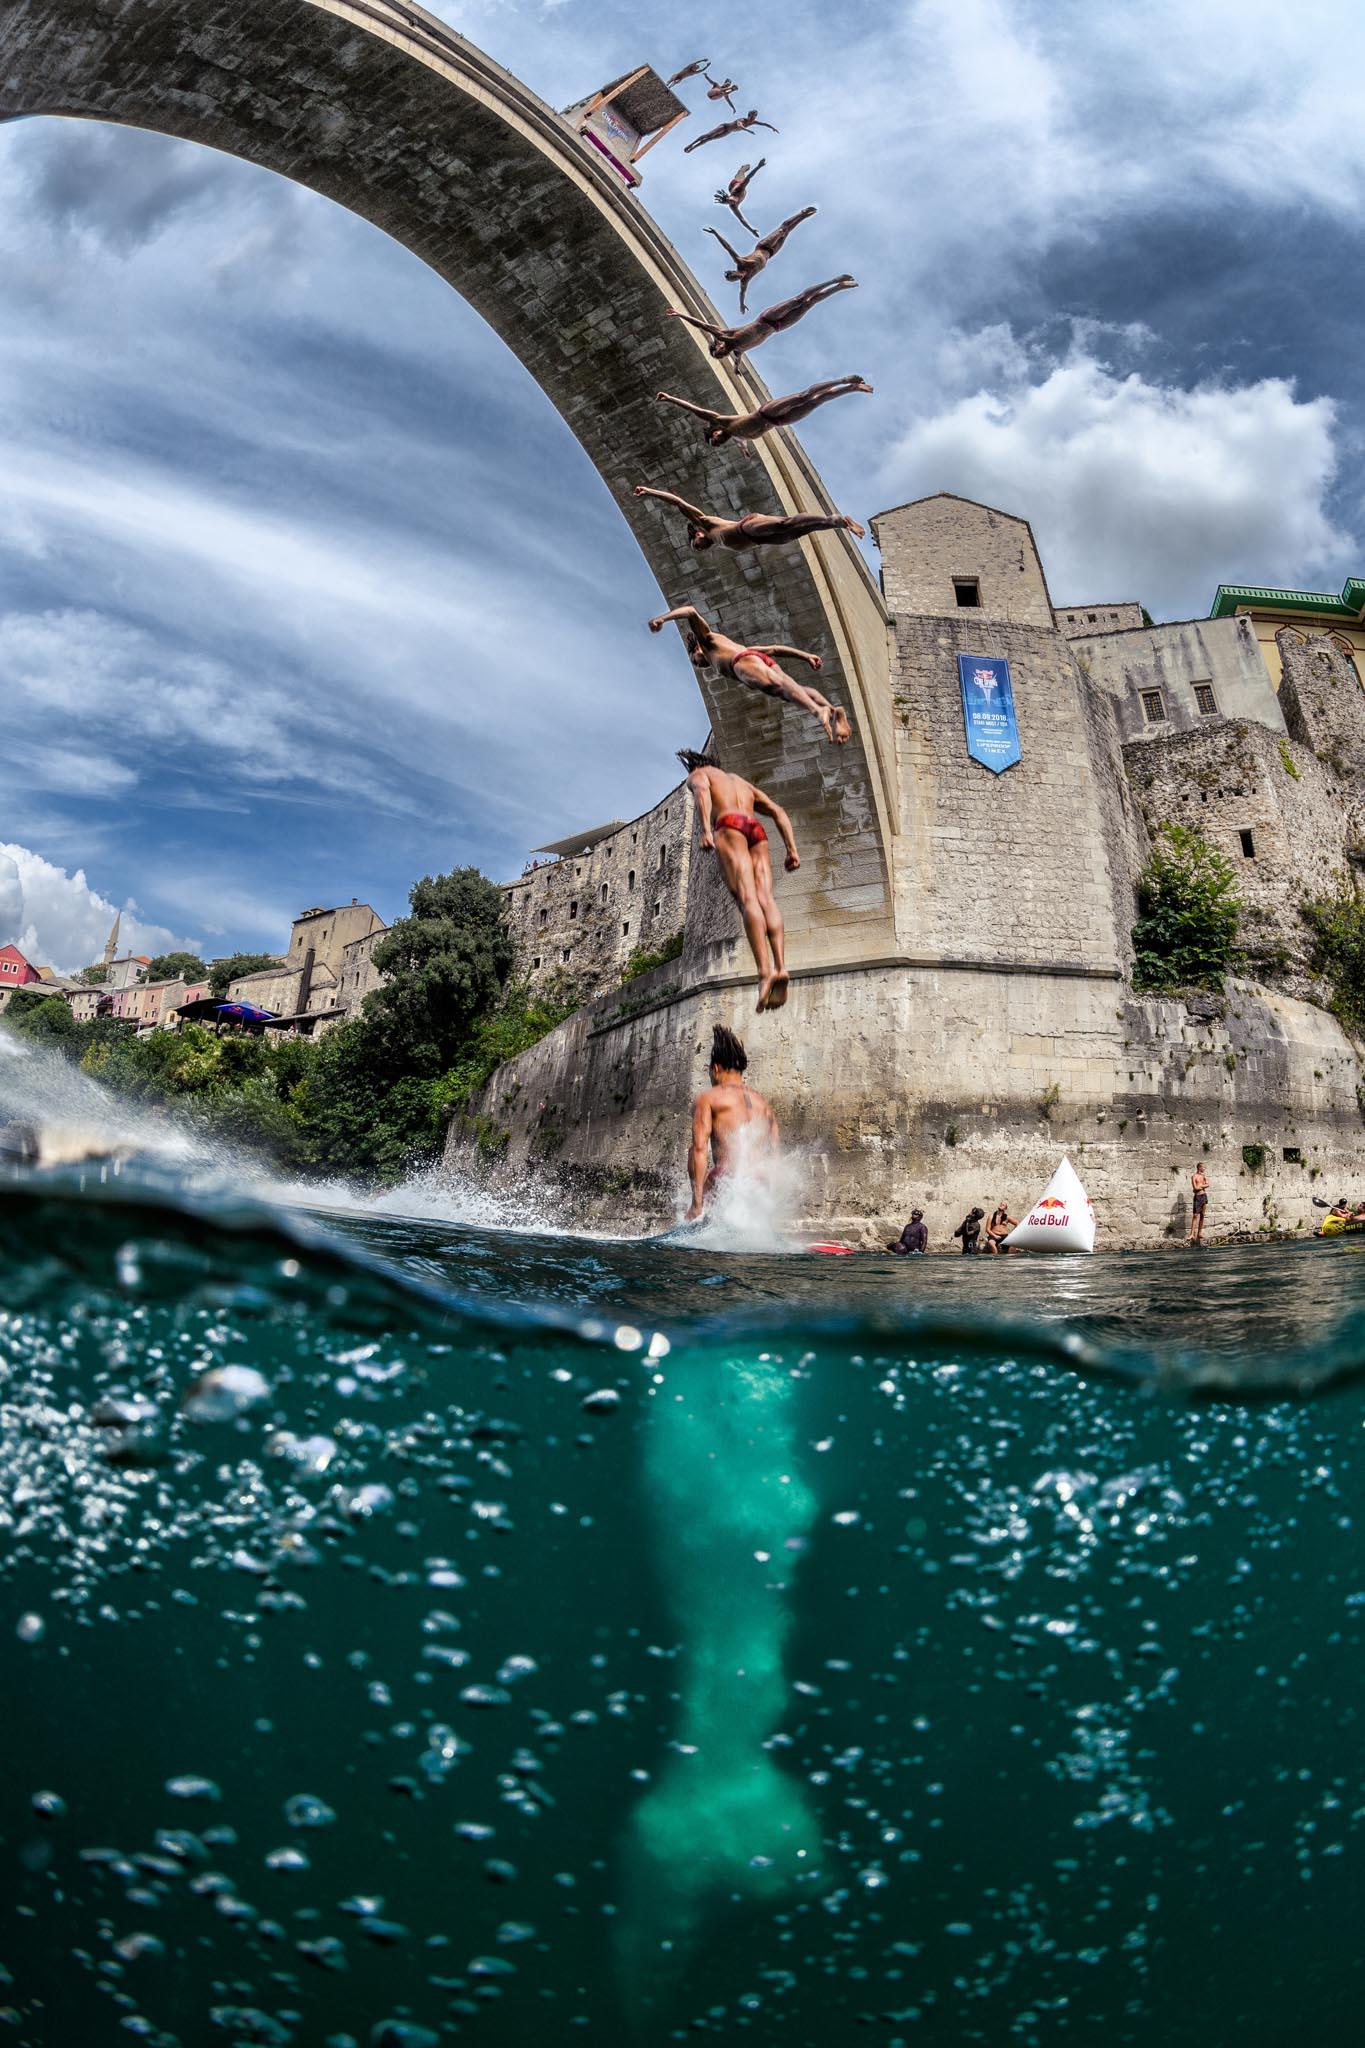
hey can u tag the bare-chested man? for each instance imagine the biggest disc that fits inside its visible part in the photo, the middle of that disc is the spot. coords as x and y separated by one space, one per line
738 341
760 256
727 810
756 668
723 89
737 190
731 1123
774 412
694 70
755 530
735 127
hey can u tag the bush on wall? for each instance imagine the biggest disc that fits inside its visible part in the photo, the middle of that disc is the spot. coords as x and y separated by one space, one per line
1188 914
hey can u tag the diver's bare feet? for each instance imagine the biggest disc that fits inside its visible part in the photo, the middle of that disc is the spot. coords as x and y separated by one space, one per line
777 995
860 384
843 731
858 532
765 989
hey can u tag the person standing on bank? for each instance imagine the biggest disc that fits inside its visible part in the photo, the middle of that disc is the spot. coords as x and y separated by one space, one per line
1199 1183
999 1227
727 808
733 1128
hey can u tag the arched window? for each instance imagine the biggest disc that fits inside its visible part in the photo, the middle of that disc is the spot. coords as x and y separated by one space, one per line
1344 648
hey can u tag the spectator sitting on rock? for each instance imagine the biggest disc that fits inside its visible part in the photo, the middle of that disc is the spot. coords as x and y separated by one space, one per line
914 1238
999 1227
969 1230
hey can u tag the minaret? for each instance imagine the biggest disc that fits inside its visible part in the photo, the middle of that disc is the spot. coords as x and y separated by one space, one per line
111 943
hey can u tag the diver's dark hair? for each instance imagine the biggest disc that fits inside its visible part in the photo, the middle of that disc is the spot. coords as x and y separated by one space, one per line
727 1053
691 759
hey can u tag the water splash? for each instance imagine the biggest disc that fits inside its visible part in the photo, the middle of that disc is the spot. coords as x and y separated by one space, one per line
753 1207
732 1510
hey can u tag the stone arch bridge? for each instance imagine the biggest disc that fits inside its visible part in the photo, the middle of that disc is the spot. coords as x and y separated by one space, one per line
384 109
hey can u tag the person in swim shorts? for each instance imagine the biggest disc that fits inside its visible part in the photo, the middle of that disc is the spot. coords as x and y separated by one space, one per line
757 668
754 529
999 1226
788 411
731 1122
727 808
738 341
1199 1183
760 256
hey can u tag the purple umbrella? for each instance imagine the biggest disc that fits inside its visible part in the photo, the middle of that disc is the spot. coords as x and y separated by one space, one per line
227 1013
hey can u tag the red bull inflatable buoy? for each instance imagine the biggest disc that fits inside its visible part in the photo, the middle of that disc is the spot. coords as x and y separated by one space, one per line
1061 1220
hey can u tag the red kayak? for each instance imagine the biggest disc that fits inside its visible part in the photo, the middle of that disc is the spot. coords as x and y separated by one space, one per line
835 1251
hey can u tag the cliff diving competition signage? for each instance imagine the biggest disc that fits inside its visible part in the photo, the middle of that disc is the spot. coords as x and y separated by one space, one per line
988 710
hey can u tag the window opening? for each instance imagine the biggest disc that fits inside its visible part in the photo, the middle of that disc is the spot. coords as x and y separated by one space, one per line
967 590
1248 845
1205 699
1154 707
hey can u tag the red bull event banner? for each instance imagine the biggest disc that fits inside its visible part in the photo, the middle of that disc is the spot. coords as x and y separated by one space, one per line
988 710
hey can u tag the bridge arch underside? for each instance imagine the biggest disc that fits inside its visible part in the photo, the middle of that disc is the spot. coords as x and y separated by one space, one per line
415 130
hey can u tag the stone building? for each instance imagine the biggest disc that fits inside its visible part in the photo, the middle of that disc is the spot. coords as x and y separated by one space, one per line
1083 620
305 989
577 917
359 975
1179 677
16 972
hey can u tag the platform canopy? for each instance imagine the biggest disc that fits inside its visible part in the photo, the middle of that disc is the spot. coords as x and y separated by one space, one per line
581 842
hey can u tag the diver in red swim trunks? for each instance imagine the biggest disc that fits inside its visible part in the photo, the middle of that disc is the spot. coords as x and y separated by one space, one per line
757 668
726 810
732 1125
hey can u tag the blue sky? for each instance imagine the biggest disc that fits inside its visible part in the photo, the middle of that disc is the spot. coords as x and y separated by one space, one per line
305 590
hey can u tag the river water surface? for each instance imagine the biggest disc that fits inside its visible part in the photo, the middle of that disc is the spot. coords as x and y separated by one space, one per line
416 1632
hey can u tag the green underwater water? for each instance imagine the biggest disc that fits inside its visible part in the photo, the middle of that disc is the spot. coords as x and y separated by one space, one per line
415 1633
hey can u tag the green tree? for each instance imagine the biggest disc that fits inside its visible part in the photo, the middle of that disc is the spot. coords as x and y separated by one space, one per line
1188 914
94 977
446 966
33 1013
1338 928
173 966
224 972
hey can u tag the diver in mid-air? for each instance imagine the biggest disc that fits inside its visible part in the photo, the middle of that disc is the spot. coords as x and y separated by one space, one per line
738 341
753 529
735 127
774 412
760 256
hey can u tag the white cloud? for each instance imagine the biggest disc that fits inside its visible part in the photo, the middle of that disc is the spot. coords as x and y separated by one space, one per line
57 920
1136 488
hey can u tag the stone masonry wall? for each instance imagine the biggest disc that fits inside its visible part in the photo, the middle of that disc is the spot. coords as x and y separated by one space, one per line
1235 778
1173 660
939 1088
576 921
927 544
1322 701
1081 620
1013 866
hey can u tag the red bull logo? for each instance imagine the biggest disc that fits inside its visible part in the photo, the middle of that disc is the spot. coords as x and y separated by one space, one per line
1051 1202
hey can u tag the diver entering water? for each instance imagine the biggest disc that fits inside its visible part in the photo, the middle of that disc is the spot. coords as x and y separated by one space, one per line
732 1124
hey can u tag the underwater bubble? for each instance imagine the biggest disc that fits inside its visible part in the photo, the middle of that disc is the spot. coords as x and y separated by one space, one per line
306 1810
383 1933
132 1947
491 1966
516 1667
601 1401
327 1952
363 1905
485 1696
124 1411
30 1628
310 1455
48 1805
192 1787
286 1859
402 2034
445 1653
474 1830
846 1517
360 1502
497 1871
516 1930
181 1844
225 1391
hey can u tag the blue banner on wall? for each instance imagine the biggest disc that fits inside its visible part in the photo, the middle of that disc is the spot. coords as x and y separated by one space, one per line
988 710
